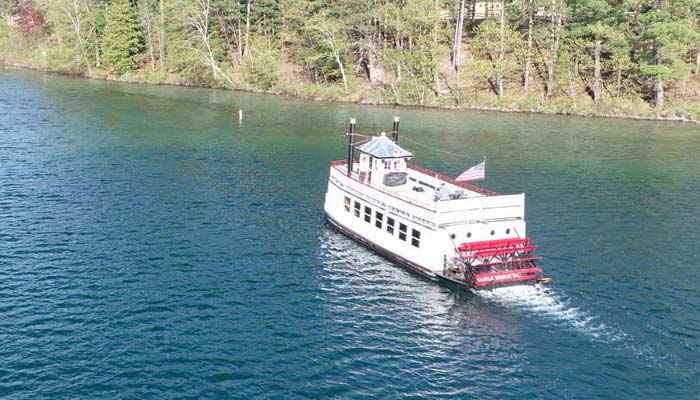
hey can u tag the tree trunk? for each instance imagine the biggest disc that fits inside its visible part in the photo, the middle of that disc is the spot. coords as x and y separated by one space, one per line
205 37
658 95
247 26
619 82
596 73
342 69
150 43
501 50
161 37
528 59
658 83
75 19
336 54
554 47
436 76
697 62
457 46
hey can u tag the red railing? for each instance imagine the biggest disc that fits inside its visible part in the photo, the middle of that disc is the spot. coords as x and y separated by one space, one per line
339 164
451 180
494 244
434 174
503 252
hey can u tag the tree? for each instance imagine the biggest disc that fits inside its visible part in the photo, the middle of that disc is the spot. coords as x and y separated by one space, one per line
31 20
501 46
121 39
329 36
556 11
457 40
195 45
667 37
75 24
595 26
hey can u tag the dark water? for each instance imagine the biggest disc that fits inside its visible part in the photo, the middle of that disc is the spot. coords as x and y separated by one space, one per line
152 247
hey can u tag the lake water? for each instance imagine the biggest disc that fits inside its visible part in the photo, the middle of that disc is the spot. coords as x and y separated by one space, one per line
153 247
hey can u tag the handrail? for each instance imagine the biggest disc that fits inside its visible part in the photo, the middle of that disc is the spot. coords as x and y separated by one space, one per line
439 176
453 181
354 176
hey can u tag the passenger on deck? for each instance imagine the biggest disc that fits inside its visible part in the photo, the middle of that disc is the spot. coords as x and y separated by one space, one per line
443 193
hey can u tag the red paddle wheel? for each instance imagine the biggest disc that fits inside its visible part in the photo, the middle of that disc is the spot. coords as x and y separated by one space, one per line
495 263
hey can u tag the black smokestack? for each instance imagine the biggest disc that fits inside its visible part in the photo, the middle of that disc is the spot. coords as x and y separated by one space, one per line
351 147
395 130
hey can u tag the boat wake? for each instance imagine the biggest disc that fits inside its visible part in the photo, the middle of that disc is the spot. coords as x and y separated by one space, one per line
555 308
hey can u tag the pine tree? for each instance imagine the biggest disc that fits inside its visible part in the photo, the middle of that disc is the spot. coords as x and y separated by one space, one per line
121 40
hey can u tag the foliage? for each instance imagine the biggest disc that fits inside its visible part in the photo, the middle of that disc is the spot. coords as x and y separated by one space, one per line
505 60
591 57
259 65
31 20
121 39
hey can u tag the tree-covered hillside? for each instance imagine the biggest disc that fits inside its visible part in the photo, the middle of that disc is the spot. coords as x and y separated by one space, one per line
604 57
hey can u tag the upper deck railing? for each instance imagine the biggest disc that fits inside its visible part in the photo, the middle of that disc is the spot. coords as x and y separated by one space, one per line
441 177
452 181
340 164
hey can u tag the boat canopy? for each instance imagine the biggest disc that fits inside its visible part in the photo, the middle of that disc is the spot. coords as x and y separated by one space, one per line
383 147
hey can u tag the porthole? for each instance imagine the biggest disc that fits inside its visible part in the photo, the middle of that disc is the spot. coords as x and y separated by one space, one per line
508 231
493 233
452 236
469 234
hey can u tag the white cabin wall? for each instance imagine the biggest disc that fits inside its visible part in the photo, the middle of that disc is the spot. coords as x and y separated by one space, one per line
462 217
425 255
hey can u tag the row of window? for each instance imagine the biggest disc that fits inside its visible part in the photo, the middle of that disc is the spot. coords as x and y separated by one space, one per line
379 221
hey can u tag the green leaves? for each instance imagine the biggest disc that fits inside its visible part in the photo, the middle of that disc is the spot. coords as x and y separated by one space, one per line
121 39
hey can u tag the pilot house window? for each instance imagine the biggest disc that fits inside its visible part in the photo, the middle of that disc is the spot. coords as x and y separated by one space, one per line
403 229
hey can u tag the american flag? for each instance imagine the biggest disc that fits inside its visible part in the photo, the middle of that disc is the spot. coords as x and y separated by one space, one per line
475 173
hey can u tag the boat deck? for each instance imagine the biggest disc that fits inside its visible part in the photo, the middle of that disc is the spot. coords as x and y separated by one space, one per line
421 186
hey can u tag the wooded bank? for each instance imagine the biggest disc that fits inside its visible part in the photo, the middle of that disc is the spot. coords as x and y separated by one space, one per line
635 58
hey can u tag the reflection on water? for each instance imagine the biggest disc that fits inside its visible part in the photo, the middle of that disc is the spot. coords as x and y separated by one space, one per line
151 246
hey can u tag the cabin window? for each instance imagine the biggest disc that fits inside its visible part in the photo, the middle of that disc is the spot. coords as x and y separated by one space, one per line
508 231
368 214
415 238
493 233
396 165
378 220
403 230
387 165
357 209
371 162
390 225
347 204
469 234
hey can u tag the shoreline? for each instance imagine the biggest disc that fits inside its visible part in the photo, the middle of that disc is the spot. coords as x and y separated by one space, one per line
22 66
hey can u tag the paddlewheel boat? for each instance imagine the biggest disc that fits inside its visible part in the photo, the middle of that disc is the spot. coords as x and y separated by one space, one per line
431 223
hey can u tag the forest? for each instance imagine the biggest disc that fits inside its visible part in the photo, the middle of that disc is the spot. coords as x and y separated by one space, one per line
634 58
